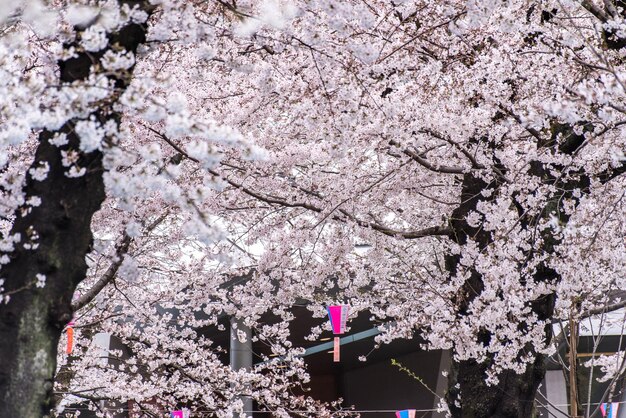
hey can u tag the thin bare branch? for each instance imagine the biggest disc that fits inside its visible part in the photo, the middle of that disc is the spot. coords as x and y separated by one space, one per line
426 164
121 249
410 234
475 163
604 309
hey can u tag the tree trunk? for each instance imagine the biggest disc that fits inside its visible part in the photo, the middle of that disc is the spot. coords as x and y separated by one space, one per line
59 230
512 397
33 320
469 395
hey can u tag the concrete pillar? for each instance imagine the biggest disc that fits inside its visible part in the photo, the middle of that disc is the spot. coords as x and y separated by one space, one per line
556 394
101 346
102 343
442 381
241 355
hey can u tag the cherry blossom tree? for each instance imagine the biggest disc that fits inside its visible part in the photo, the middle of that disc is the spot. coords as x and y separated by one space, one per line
47 209
151 153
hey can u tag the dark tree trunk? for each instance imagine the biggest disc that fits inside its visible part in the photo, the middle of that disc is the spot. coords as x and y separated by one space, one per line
468 394
514 395
60 229
32 322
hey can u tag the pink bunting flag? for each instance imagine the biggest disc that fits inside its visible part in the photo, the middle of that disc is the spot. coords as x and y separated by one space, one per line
609 410
338 315
406 413
183 413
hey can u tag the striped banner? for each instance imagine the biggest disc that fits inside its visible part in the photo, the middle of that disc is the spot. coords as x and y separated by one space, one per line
406 413
609 410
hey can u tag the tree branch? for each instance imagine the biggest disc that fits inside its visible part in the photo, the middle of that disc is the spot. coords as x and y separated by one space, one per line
609 175
594 10
559 340
426 164
420 233
121 249
412 234
475 163
604 309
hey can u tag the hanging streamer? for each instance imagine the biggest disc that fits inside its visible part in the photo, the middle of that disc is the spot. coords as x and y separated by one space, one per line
338 315
406 413
609 410
70 330
336 345
70 337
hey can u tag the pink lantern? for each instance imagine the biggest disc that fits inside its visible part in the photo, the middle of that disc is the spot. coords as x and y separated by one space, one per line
338 315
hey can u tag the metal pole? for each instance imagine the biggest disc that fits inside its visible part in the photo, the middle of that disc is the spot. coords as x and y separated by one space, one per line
241 355
573 378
